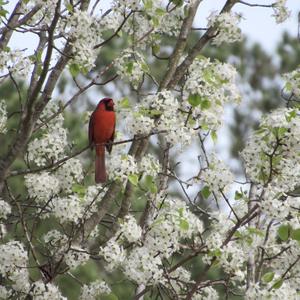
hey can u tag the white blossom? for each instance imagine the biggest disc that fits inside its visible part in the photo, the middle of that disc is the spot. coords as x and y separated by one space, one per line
178 280
281 12
13 263
15 62
12 256
42 186
206 293
113 253
217 176
141 267
226 25
121 166
75 257
71 171
4 292
51 146
3 116
57 242
209 86
42 291
293 82
67 209
5 209
130 229
131 67
85 33
149 165
92 290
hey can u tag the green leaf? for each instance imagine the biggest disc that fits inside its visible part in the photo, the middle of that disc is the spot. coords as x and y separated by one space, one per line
282 130
129 67
277 284
74 70
295 234
184 224
214 136
177 2
180 211
255 231
194 100
3 12
134 179
268 277
149 184
159 12
238 195
288 86
145 67
124 103
109 297
69 7
155 21
292 114
205 192
205 103
148 4
80 190
284 232
156 48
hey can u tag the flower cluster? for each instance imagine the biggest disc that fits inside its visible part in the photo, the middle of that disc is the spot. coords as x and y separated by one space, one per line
217 176
209 86
3 116
13 262
42 186
67 209
206 293
130 230
4 292
293 82
51 146
89 202
69 173
5 209
258 292
281 12
113 253
85 34
76 257
167 228
123 166
131 67
273 148
179 280
15 62
226 25
150 19
270 154
161 113
41 291
149 165
12 256
56 241
93 290
142 267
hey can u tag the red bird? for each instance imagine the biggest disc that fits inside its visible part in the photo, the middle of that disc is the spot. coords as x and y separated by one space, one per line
101 134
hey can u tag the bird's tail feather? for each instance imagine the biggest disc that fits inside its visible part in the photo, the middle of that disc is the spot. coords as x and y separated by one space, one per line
100 171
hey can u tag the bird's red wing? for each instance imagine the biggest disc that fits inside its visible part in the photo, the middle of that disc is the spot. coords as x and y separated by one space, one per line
91 130
110 141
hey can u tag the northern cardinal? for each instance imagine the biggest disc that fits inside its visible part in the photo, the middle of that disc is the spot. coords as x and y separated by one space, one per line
101 134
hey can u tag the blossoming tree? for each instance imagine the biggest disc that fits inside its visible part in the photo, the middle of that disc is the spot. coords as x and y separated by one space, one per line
251 231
